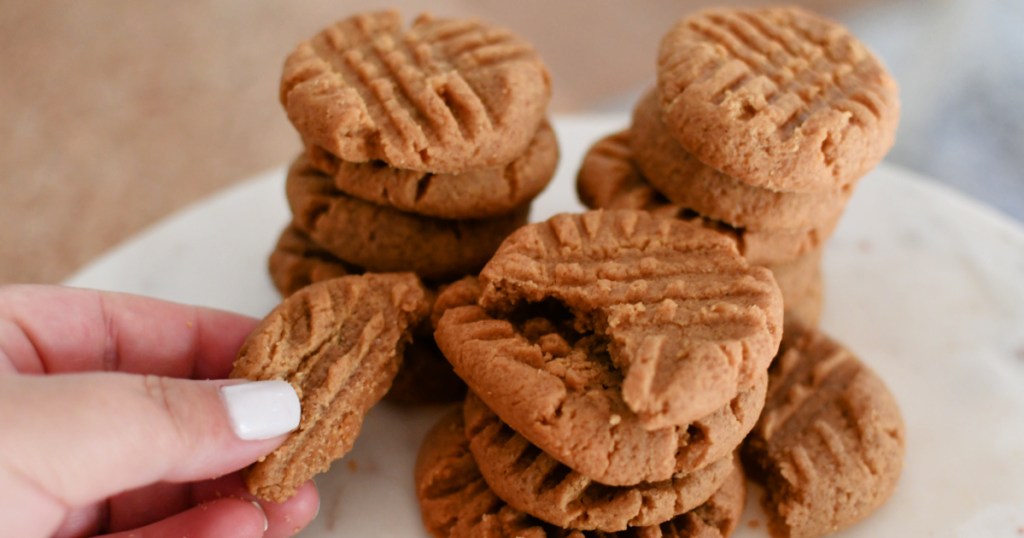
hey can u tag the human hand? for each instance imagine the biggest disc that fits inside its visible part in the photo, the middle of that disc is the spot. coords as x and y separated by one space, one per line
121 434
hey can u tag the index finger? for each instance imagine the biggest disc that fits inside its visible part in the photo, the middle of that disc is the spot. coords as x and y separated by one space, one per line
49 329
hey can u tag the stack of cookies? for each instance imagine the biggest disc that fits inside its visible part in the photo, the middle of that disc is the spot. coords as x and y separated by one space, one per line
616 361
761 124
424 146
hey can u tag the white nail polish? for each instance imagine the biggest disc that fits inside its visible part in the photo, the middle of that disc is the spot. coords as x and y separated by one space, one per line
261 409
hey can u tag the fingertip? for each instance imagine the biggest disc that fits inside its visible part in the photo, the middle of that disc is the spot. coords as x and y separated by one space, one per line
288 518
224 518
283 519
221 518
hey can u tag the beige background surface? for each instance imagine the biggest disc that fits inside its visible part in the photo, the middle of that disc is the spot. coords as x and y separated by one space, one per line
115 113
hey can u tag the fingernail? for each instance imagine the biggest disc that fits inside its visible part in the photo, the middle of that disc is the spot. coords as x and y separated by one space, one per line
261 409
266 522
316 514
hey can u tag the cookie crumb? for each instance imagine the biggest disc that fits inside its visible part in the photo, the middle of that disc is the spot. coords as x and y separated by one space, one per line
754 524
614 419
352 465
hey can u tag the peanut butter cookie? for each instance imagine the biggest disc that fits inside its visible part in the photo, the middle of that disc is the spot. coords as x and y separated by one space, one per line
609 178
562 326
381 239
686 181
469 194
456 502
438 95
339 343
686 320
297 262
531 481
829 446
776 97
561 390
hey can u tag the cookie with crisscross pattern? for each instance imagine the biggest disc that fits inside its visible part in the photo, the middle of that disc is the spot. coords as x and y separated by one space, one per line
339 343
530 480
456 502
438 95
829 446
669 312
609 178
776 97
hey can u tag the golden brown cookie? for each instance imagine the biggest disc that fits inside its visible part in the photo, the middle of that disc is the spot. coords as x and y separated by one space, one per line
686 321
777 97
829 446
610 179
440 95
297 262
533 482
456 502
696 446
382 239
469 194
563 394
339 343
686 181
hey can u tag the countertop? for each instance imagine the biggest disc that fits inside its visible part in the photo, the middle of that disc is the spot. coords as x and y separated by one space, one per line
113 114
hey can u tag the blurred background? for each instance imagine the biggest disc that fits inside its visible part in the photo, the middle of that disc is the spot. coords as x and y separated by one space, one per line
115 113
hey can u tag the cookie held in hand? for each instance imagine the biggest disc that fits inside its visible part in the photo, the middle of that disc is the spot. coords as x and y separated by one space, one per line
339 343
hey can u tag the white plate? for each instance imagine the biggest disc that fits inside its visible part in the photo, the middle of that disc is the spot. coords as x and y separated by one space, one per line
926 286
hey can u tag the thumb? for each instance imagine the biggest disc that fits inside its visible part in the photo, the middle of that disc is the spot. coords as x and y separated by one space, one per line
70 440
